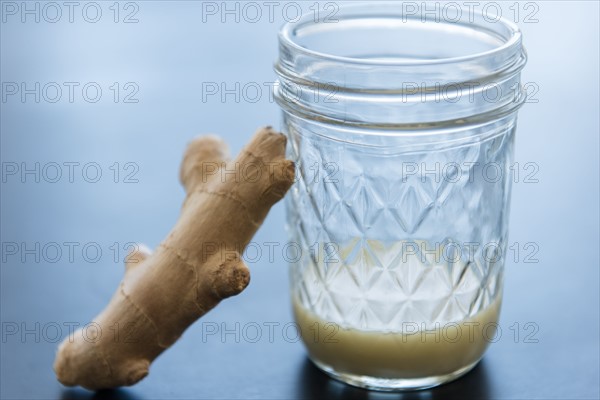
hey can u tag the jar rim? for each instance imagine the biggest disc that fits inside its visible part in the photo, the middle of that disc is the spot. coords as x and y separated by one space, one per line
286 35
378 65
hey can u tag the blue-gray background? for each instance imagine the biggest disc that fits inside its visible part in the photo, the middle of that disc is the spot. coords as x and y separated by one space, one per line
168 54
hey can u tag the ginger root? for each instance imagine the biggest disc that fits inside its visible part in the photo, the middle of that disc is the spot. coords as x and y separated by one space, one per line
191 271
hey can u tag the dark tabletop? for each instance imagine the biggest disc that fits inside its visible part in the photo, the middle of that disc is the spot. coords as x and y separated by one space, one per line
549 342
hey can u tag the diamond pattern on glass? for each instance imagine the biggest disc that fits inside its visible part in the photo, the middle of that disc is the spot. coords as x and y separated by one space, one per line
382 247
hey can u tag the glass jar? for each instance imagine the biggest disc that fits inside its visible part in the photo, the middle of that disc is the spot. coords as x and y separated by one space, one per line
402 127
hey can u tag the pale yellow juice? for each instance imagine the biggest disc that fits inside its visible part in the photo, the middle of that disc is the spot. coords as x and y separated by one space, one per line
422 317
398 355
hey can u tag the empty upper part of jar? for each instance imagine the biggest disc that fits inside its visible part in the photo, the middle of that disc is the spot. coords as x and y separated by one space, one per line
384 64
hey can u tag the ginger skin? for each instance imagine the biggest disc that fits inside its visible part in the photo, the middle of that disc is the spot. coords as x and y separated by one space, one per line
191 271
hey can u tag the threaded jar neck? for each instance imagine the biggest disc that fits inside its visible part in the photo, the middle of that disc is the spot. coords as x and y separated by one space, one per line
378 65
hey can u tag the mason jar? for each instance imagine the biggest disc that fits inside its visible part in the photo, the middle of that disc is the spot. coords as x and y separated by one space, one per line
402 128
